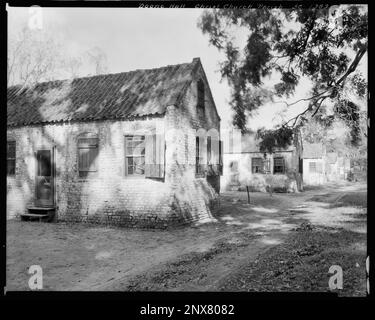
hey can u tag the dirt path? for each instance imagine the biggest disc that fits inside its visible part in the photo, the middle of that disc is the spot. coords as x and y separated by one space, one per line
264 224
81 257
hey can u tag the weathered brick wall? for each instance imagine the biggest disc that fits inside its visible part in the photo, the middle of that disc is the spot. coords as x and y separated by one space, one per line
258 182
110 196
195 197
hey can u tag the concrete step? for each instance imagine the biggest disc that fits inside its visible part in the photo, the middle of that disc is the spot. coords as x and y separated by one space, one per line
41 213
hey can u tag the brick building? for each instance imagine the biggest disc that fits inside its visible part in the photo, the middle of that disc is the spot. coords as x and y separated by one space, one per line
139 148
320 166
245 165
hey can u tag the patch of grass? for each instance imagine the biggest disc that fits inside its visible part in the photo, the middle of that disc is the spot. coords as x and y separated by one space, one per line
321 197
357 199
351 199
302 264
172 272
188 268
311 187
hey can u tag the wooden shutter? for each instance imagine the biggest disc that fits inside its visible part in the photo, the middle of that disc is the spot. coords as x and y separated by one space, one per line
88 152
11 149
11 157
93 158
154 156
210 164
160 154
209 160
83 159
213 152
202 152
149 155
87 159
221 148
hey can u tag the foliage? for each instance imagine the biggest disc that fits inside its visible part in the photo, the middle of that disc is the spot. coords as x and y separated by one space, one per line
280 138
39 55
32 57
313 43
336 136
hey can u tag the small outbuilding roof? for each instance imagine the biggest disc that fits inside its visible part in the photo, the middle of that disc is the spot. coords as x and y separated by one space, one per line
123 95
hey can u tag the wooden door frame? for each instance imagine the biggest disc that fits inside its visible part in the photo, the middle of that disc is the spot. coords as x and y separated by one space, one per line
53 175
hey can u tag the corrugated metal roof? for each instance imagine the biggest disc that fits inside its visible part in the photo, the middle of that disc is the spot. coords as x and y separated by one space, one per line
112 96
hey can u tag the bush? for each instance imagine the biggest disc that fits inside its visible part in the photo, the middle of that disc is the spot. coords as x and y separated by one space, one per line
261 182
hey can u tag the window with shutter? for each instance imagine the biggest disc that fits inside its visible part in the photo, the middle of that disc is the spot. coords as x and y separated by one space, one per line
11 158
209 160
278 165
213 155
200 98
256 165
197 158
135 155
154 156
200 166
221 149
87 155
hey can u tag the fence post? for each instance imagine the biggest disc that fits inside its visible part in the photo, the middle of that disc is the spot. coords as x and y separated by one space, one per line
248 194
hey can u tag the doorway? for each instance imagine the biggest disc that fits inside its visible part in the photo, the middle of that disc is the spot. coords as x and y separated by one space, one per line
44 184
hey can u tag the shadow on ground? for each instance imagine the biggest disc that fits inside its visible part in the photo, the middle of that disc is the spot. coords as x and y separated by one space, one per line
196 258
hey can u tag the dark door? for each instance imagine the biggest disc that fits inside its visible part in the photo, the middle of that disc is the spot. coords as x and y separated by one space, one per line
44 178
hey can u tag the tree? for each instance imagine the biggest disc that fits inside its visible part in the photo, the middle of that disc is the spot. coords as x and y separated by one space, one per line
98 58
314 43
73 66
39 55
336 137
33 56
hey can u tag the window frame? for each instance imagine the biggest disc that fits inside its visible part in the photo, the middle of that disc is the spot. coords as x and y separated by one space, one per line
318 167
201 92
313 164
13 159
283 165
199 158
261 165
127 156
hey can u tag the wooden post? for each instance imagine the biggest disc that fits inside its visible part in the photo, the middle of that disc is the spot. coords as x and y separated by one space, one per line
248 194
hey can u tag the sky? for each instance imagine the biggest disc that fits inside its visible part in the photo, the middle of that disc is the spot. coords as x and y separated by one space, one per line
139 38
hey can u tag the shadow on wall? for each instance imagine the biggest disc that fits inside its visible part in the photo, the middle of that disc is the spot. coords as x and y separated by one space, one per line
21 187
111 198
194 197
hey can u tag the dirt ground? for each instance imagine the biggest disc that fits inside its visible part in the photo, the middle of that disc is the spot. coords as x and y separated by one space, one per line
240 252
